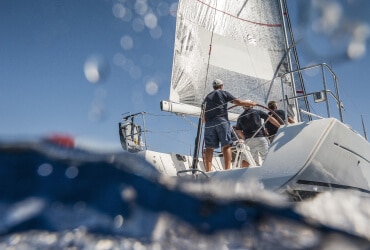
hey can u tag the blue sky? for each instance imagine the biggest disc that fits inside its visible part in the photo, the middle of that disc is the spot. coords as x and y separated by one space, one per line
47 46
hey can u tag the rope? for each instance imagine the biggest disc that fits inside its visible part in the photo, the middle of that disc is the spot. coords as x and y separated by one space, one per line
250 139
168 133
240 97
187 120
281 121
259 105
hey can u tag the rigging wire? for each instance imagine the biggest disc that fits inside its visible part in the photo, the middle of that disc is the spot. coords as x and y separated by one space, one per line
295 53
169 132
158 114
176 138
174 135
188 121
209 52
176 115
243 95
166 135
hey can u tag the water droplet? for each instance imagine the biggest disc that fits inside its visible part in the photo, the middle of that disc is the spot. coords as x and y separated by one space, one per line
45 169
118 221
356 49
71 172
119 11
240 214
173 9
96 69
128 194
156 32
127 42
141 7
151 88
163 9
138 24
150 21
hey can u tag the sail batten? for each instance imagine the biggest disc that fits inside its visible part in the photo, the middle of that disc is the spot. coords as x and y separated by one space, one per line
240 42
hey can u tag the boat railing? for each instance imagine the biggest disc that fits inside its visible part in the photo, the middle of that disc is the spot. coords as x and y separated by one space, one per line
311 114
133 133
192 171
316 82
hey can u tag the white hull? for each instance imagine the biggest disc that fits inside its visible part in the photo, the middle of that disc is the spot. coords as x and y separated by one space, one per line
304 159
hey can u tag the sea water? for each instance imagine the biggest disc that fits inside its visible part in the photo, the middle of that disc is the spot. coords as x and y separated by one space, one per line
54 197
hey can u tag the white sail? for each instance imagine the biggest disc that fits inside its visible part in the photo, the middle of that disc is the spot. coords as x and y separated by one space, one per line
239 41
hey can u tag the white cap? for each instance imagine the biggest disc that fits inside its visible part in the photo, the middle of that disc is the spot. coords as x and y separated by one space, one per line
217 82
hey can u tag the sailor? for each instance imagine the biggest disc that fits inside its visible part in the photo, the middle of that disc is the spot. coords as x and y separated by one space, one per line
271 129
217 125
250 128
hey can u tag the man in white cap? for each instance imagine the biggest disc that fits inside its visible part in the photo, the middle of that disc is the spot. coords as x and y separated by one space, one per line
217 125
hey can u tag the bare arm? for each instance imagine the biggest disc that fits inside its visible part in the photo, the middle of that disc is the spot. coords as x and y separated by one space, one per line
240 134
290 120
274 121
247 103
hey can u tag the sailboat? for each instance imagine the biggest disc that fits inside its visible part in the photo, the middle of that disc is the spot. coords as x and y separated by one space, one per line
249 45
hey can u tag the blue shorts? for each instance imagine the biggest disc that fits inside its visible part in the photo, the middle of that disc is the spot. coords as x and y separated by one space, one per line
216 132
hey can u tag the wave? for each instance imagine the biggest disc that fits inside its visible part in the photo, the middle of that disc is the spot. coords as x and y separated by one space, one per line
63 197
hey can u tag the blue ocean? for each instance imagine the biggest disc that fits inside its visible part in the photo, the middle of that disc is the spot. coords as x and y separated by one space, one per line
55 197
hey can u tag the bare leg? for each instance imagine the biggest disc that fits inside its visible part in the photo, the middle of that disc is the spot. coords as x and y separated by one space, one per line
245 164
226 150
271 138
208 159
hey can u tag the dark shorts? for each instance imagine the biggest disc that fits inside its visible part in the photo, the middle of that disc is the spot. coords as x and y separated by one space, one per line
216 132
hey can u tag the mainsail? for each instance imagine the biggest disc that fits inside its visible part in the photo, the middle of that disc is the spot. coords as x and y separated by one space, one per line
241 42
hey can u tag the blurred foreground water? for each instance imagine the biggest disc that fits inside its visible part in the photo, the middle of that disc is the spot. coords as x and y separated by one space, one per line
55 197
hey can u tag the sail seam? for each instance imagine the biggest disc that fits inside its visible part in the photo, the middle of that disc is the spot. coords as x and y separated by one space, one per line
242 19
